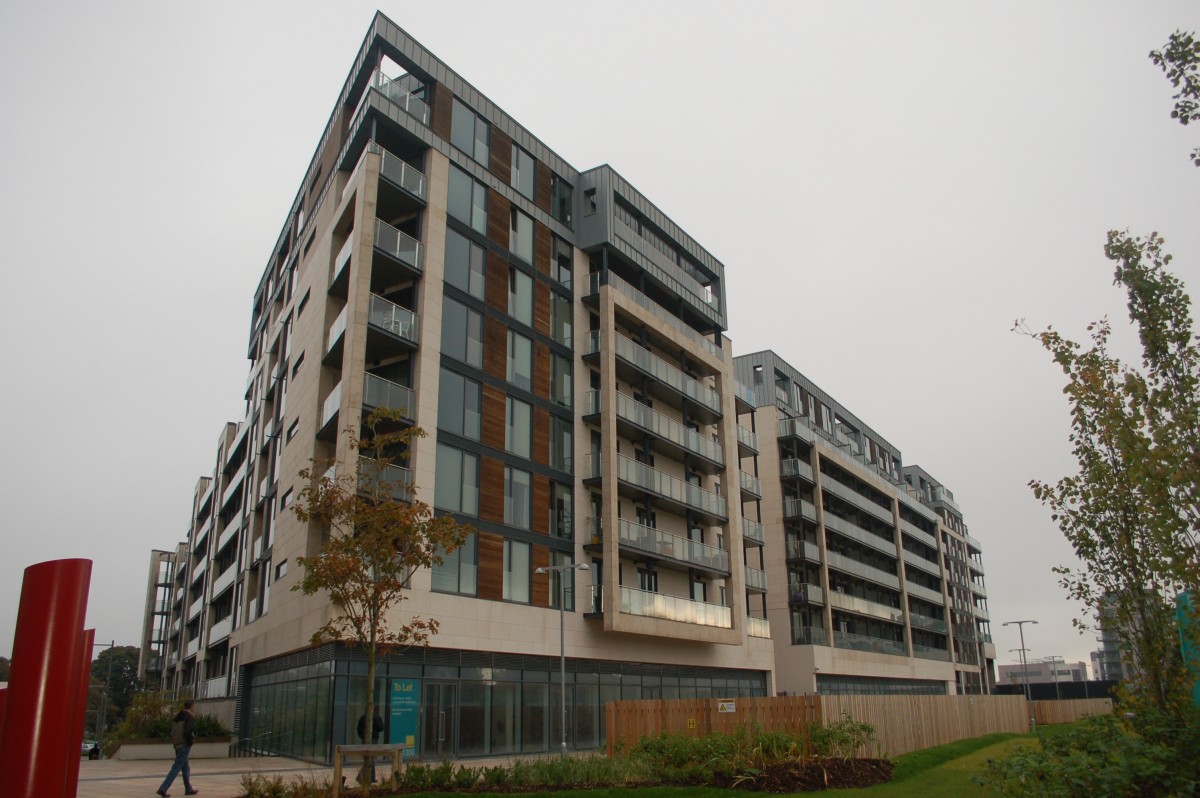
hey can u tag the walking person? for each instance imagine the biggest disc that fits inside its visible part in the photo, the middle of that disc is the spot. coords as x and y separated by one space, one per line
183 736
376 730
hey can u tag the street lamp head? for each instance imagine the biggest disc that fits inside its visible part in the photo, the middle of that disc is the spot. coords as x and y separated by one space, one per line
582 566
539 570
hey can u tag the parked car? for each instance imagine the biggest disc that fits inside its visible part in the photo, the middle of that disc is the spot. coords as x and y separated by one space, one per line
87 747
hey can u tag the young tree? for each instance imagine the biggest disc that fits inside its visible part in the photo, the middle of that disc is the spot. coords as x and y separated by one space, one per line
1132 511
379 535
1180 62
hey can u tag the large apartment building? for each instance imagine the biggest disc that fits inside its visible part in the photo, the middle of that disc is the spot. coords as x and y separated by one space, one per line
561 340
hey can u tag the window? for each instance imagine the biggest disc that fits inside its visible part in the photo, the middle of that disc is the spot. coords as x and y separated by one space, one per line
459 403
457 572
518 426
296 365
292 430
457 482
464 264
303 299
469 132
520 296
520 361
560 380
286 500
281 570
562 583
520 235
561 505
560 199
462 333
699 590
522 171
560 443
648 580
560 262
467 200
518 497
560 318
516 571
589 202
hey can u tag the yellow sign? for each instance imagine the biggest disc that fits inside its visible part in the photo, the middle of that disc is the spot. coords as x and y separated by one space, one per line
691 723
726 706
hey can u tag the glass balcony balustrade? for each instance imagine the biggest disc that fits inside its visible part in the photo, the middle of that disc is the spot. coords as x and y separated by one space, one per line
852 566
750 484
392 480
398 90
864 643
400 172
931 624
747 439
930 652
805 593
793 467
849 529
918 534
753 531
799 508
808 635
756 579
917 561
669 375
800 428
663 544
397 320
861 606
332 404
399 245
803 550
758 627
922 592
381 393
656 310
664 427
674 608
856 499
651 479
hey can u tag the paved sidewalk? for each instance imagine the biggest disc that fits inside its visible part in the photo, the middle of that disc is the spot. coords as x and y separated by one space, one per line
214 778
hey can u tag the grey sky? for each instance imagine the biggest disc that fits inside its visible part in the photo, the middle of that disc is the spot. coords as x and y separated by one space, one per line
889 186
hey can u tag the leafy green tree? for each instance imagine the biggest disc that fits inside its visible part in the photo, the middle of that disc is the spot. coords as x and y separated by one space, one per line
124 683
1180 62
379 535
5 666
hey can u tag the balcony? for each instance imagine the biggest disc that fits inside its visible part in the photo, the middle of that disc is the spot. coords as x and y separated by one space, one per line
671 383
335 339
674 608
751 486
658 543
225 580
198 568
747 442
850 565
659 268
397 91
379 393
877 645
808 636
856 499
683 494
805 593
329 414
799 428
922 592
201 535
658 311
756 580
194 608
400 173
220 630
793 467
400 250
929 624
758 627
930 652
861 606
803 550
918 534
391 329
799 508
645 419
981 614
752 533
917 561
192 647
214 688
392 480
978 589
233 485
172 659
849 529
339 278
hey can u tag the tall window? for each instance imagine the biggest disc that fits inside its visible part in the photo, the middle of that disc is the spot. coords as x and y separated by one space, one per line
469 132
560 443
561 506
520 235
459 403
467 200
518 497
560 199
560 262
518 426
464 264
516 571
522 171
560 318
520 361
457 485
520 296
560 380
562 583
456 574
462 333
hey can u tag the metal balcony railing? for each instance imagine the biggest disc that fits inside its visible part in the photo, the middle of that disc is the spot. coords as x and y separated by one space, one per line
665 373
663 544
399 245
397 320
663 484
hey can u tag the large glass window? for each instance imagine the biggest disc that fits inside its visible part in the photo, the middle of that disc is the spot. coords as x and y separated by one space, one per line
560 510
467 200
516 571
464 264
518 426
560 380
456 574
520 296
560 199
462 333
469 132
520 235
506 709
457 485
560 318
518 498
459 402
522 171
560 262
520 361
562 583
560 443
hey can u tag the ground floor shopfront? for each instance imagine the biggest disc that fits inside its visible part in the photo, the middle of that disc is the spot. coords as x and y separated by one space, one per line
442 703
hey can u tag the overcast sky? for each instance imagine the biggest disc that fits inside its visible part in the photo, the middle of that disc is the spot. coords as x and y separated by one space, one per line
889 186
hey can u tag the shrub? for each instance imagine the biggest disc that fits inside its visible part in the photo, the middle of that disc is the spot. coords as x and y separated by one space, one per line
465 777
257 786
496 776
442 776
842 739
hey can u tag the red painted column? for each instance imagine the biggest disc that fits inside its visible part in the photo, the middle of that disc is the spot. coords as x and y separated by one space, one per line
39 717
3 693
81 702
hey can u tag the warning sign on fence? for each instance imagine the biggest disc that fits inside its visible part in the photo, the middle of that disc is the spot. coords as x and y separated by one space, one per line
726 706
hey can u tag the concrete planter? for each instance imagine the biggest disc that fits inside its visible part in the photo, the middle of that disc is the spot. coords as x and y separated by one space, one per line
205 748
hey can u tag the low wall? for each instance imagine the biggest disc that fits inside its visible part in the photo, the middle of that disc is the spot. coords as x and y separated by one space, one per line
205 748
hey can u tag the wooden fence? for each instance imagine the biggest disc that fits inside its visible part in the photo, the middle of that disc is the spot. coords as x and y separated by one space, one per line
1070 710
902 723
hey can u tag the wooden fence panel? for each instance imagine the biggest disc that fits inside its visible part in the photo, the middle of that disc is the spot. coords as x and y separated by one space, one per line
1070 710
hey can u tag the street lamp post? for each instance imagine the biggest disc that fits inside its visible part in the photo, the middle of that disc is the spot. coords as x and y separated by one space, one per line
1024 666
1054 660
562 571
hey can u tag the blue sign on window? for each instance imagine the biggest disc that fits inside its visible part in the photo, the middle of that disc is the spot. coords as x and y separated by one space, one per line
405 702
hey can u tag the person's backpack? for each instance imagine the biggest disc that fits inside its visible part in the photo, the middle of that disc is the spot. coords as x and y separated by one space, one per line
177 732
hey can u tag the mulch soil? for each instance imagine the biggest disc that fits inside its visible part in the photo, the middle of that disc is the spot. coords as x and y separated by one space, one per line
812 775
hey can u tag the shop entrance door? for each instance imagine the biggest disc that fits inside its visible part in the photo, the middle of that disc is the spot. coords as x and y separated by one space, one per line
440 711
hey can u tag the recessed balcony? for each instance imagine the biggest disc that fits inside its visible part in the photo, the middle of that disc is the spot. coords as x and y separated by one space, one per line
636 478
799 508
803 550
220 630
758 627
751 486
918 534
635 419
752 533
224 581
756 580
660 313
391 329
853 497
398 256
399 91
379 393
747 442
851 530
929 624
335 339
393 481
806 593
930 652
850 565
799 428
793 467
663 545
674 608
400 173
330 410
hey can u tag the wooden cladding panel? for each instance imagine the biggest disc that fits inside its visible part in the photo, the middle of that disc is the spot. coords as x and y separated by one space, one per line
442 102
540 589
541 186
490 580
500 155
491 490
492 432
496 288
498 219
495 348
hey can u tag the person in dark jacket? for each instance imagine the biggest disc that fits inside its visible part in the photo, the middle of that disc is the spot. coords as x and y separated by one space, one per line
183 737
376 731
